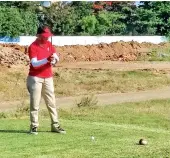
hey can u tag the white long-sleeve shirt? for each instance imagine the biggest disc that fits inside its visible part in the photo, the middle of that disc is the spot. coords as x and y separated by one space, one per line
37 63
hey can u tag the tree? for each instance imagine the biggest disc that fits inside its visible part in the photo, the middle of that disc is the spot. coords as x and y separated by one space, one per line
109 23
81 9
30 22
138 20
146 21
88 25
97 21
61 18
86 18
162 9
14 23
24 5
11 22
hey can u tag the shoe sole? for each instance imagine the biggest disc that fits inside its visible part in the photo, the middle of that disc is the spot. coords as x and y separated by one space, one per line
63 132
34 133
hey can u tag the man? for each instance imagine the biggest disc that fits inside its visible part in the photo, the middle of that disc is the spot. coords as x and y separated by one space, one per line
40 79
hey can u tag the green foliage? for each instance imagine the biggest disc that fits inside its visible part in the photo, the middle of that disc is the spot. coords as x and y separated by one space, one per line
162 9
80 18
105 23
146 21
61 19
11 22
24 5
126 11
83 13
82 8
167 37
89 24
15 23
109 23
30 22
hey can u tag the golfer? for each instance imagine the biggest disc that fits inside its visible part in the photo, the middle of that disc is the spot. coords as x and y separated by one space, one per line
40 79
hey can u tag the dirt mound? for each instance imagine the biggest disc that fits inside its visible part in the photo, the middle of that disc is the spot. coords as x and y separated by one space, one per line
116 51
113 51
11 54
15 47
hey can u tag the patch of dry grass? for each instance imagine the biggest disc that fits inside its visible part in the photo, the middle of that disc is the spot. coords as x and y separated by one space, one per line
72 82
76 82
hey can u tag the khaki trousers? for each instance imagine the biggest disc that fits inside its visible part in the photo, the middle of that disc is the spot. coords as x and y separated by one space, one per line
38 87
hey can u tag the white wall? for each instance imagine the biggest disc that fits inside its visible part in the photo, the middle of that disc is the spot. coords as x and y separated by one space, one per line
85 40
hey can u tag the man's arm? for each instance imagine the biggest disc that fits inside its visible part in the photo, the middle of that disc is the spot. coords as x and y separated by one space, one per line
33 58
37 63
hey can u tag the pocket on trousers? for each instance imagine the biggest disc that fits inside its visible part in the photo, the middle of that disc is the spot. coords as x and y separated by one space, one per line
31 81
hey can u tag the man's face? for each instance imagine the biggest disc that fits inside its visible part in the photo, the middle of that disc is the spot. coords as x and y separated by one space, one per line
43 39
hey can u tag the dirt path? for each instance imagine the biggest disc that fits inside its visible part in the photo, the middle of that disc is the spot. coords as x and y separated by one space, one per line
114 98
109 98
116 65
103 99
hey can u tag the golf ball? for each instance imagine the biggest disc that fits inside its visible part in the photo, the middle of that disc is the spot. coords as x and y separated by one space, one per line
92 137
143 142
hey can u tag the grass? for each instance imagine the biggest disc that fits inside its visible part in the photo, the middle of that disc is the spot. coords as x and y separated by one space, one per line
87 101
156 54
116 130
80 82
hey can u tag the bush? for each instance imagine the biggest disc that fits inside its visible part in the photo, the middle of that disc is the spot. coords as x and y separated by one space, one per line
3 115
87 101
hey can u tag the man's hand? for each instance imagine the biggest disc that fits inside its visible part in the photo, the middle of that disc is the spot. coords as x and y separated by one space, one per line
50 58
